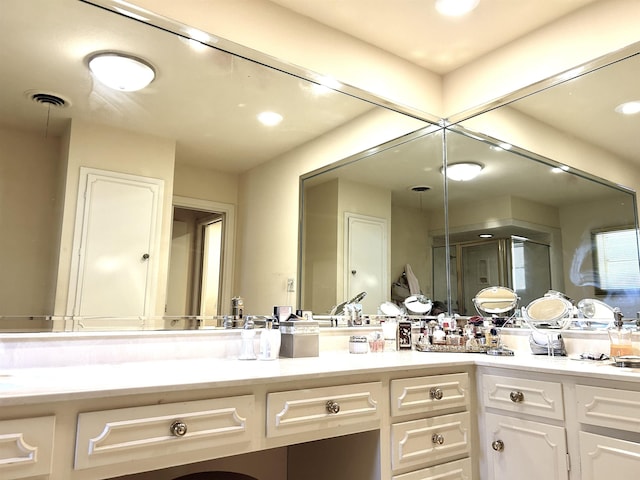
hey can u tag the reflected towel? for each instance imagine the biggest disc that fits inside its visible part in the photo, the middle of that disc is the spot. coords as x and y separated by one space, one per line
412 280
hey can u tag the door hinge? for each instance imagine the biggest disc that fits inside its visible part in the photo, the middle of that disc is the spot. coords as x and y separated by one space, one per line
568 463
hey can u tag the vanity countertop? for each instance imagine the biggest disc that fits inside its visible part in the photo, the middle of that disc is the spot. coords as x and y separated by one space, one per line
39 385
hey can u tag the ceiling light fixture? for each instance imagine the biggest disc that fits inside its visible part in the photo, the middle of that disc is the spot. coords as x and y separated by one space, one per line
269 119
629 108
486 235
463 171
455 8
121 72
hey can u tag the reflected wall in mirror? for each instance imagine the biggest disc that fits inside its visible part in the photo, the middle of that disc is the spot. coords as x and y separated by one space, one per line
366 218
193 129
542 217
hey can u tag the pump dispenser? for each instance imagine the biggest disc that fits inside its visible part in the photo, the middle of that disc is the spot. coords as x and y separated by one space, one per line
619 337
270 341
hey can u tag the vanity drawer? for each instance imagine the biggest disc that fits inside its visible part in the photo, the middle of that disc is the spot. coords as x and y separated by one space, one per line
130 434
299 411
26 447
429 440
609 407
604 457
458 470
522 395
428 394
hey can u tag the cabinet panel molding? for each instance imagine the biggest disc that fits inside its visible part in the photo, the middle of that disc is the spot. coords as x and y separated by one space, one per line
604 457
122 435
26 447
608 407
520 395
300 411
426 394
458 470
429 440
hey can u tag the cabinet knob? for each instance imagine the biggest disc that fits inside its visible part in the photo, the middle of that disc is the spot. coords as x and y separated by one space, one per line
498 445
437 439
516 397
178 428
436 393
333 407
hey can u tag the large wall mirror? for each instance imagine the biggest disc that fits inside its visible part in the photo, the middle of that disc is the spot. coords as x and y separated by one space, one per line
164 164
528 221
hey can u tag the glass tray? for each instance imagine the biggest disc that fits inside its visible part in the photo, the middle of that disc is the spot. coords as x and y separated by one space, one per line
422 347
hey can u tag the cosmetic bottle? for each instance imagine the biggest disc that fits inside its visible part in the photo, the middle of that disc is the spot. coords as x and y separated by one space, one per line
619 337
270 341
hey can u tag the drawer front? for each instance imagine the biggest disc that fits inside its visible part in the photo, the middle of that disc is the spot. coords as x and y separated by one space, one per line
26 447
130 434
458 470
427 394
605 457
523 396
429 440
609 407
314 409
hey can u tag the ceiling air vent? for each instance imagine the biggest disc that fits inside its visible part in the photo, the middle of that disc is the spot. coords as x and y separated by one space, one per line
48 99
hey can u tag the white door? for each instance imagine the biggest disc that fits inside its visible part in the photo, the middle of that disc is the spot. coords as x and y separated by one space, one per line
524 450
115 244
606 457
366 260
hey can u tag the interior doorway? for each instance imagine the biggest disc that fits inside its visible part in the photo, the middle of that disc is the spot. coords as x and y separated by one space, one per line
201 257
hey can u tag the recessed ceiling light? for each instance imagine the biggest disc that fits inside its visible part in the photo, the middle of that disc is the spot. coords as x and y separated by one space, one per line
121 72
269 119
486 235
560 169
629 108
455 8
463 171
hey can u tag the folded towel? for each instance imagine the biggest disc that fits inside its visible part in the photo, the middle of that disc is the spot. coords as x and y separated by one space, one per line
412 280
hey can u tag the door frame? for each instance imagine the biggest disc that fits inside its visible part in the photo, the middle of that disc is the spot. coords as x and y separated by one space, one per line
227 261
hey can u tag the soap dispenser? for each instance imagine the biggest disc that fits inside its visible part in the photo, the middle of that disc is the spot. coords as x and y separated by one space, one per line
270 341
247 351
619 336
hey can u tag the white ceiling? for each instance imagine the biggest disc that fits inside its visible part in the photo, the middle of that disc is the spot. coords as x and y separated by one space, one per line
413 29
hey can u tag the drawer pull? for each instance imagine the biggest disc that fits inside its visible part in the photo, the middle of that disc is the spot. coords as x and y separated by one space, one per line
437 439
436 393
178 428
498 445
516 397
333 407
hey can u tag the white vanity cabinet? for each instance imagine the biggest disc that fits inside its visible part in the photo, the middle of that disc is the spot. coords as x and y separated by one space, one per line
614 414
522 428
431 427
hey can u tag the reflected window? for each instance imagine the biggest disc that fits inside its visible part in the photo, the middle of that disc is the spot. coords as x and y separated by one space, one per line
616 260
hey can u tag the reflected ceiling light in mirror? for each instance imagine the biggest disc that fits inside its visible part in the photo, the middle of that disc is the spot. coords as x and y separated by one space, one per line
463 171
121 72
560 169
501 146
486 235
270 119
629 108
455 8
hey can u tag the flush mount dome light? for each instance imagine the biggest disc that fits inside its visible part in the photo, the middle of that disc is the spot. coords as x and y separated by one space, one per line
463 171
121 72
455 8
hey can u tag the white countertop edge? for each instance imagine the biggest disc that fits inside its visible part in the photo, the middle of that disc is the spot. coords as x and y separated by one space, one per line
55 384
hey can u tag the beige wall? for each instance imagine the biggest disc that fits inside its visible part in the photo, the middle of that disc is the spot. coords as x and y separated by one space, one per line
105 148
29 171
205 184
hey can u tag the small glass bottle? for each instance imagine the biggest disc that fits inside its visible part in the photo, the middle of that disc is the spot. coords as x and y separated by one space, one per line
270 341
619 337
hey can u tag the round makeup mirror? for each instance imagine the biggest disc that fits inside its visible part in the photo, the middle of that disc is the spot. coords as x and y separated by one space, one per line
552 311
500 301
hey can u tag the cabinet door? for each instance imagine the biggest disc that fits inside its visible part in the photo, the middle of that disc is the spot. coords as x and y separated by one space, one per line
606 457
524 450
